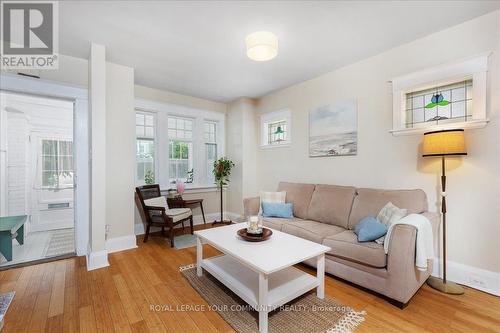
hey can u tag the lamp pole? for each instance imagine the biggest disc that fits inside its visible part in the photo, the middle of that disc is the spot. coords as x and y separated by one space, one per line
443 211
441 144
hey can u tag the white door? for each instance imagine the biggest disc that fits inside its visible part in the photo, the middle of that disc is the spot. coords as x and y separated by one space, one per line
52 193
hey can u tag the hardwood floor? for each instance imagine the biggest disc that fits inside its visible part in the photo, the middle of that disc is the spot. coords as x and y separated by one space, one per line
62 296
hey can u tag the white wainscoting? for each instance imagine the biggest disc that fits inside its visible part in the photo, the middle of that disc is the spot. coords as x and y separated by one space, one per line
121 243
96 260
473 277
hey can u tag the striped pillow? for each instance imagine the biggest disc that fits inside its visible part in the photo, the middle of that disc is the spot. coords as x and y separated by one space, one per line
273 197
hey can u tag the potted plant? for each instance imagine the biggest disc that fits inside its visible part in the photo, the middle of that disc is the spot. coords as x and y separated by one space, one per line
222 171
149 177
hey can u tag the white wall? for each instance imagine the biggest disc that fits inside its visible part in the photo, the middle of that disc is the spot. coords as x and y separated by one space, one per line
120 150
72 71
241 148
385 161
178 99
97 111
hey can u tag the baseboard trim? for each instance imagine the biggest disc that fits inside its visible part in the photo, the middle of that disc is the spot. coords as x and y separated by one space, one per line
469 276
97 259
197 220
121 243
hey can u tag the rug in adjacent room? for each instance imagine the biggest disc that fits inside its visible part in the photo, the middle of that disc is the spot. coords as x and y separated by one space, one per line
61 242
184 241
328 316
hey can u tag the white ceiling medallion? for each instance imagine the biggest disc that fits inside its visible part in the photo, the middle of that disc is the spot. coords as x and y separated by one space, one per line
262 45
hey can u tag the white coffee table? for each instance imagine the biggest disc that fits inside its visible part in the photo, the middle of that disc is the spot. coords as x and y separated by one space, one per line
262 273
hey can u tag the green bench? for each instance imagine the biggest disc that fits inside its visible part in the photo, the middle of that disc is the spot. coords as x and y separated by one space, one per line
11 227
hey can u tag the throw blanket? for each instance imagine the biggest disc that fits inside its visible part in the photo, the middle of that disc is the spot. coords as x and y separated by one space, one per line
424 242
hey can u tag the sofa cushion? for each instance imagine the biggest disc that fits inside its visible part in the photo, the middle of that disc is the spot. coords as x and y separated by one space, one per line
311 230
369 202
370 229
274 209
276 222
298 194
331 204
271 197
345 245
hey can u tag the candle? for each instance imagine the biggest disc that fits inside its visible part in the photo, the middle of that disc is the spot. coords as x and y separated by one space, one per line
254 224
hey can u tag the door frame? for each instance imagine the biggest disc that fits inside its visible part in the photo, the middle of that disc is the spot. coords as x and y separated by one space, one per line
81 137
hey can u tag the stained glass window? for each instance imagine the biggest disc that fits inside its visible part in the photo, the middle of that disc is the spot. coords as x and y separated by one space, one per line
277 132
440 105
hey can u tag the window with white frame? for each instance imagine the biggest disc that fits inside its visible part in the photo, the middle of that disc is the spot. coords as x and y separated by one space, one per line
57 163
275 129
186 142
180 151
210 136
445 97
145 147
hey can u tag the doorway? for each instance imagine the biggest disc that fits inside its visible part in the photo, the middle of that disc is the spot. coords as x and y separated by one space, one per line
37 178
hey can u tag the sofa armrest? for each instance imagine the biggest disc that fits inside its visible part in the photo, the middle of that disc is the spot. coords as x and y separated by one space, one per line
404 278
401 263
251 206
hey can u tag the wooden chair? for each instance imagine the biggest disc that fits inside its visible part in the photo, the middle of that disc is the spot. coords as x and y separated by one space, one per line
161 216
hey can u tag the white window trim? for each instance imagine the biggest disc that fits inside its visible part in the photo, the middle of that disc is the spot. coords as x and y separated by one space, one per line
475 68
191 140
39 152
154 138
207 173
199 116
272 117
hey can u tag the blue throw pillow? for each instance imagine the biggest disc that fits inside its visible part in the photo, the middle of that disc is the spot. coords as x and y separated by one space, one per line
369 229
273 209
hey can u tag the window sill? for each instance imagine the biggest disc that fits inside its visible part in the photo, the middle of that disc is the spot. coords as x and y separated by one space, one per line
195 188
281 145
421 130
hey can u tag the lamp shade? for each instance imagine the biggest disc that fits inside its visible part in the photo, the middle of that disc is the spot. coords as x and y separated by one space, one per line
443 143
262 45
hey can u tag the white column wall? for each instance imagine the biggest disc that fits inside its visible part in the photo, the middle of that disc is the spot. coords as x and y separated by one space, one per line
97 255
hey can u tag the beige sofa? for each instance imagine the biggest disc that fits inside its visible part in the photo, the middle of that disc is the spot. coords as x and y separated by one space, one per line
327 214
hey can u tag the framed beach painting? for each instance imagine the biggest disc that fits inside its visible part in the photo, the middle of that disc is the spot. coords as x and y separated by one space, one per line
333 130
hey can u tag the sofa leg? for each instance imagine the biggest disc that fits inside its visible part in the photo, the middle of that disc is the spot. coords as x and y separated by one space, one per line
398 304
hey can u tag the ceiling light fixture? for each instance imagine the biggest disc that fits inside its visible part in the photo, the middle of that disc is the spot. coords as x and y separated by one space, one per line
262 45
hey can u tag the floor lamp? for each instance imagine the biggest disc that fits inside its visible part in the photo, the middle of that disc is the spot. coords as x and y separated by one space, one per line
441 144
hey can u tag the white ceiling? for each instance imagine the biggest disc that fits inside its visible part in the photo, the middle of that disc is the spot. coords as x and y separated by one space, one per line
197 48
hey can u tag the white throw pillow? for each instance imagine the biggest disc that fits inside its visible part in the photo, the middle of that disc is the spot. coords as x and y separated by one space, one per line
388 215
274 197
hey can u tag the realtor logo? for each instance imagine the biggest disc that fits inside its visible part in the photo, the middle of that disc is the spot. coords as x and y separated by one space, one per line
29 35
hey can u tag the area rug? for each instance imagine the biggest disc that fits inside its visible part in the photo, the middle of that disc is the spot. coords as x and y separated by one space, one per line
304 314
61 242
184 241
5 300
